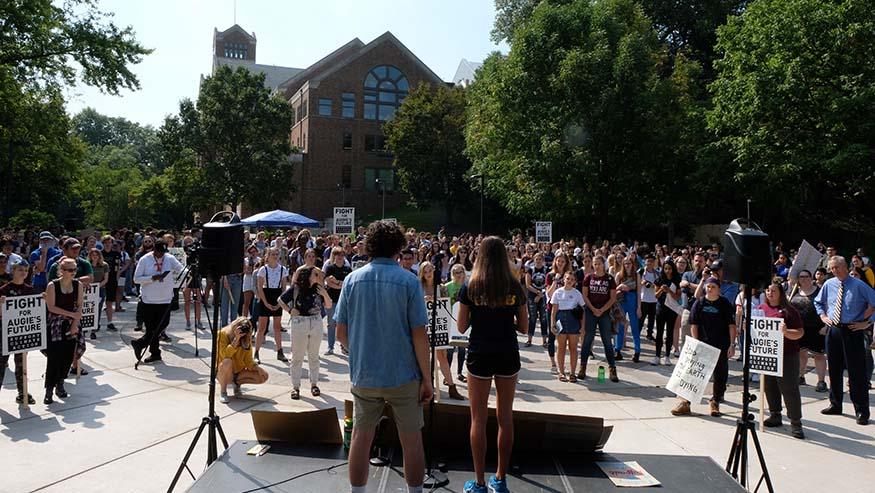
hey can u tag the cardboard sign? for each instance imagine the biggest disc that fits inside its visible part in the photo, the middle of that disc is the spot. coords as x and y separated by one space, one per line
344 220
807 258
179 277
443 323
24 324
693 370
457 338
627 474
90 306
544 232
766 346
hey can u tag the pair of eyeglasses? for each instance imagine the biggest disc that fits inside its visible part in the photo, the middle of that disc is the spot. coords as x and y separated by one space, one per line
69 270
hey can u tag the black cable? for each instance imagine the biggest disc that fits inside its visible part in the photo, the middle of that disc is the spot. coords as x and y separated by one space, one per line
314 471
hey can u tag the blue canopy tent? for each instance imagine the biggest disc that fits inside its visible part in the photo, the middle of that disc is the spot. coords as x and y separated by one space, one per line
279 219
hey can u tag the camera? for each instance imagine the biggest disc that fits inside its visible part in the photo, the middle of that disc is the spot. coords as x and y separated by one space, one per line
648 284
192 251
245 329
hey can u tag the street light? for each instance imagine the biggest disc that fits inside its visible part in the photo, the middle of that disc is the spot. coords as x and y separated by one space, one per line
480 177
381 187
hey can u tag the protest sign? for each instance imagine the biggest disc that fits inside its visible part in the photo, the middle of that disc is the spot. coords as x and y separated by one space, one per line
808 258
443 323
766 346
693 370
391 220
544 232
627 474
344 220
24 324
673 305
90 305
456 337
179 277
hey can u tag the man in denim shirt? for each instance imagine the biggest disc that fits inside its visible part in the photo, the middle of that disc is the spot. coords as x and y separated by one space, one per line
381 319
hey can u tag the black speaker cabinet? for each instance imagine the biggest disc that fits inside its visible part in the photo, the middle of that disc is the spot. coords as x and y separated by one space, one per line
747 256
222 252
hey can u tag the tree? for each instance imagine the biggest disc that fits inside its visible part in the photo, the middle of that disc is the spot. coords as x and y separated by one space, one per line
576 124
794 102
44 42
101 131
239 132
427 138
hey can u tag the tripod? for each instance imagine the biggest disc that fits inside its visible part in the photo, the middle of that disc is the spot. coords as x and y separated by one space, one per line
210 422
433 479
745 424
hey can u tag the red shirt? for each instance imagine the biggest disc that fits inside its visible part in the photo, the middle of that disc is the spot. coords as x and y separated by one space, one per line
600 288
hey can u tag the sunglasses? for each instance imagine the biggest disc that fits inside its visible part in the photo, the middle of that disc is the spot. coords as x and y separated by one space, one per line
69 270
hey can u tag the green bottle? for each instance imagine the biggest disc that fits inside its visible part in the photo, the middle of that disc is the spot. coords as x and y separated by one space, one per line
601 374
347 433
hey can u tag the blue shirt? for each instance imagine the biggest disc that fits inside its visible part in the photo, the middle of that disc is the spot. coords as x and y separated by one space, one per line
729 290
857 298
40 280
380 304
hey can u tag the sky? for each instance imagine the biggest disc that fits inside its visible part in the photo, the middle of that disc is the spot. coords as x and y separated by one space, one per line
291 33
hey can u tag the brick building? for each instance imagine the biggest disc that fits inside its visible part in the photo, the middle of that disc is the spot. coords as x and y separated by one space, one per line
340 103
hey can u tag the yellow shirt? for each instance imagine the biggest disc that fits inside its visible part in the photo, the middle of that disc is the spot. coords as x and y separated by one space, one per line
242 357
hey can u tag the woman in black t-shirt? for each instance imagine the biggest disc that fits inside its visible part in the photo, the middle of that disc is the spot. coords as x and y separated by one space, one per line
493 305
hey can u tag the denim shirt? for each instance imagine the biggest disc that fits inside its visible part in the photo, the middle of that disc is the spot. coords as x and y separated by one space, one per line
380 304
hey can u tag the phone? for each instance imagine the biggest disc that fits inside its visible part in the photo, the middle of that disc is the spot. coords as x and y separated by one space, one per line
258 450
164 274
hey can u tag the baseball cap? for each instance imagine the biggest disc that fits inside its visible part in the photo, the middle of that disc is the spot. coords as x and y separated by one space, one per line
712 280
717 265
71 242
577 251
45 235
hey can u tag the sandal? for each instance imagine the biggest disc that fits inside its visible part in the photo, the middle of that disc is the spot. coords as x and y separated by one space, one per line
461 378
562 377
572 378
314 390
296 394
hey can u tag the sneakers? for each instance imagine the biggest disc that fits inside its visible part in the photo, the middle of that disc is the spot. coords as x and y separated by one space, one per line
715 409
60 391
330 352
471 486
773 421
677 353
188 326
612 374
821 386
238 392
554 370
164 337
831 410
666 360
581 374
93 335
682 409
20 399
152 359
655 361
454 393
199 326
796 431
223 397
111 328
344 351
495 485
138 328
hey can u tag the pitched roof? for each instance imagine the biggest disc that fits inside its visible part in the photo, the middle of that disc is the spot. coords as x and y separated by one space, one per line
273 75
466 71
337 56
235 27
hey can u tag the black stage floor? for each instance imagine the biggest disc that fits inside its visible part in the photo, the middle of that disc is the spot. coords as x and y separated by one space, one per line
234 471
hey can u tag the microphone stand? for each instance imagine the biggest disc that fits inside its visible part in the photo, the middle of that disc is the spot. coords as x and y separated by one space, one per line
433 479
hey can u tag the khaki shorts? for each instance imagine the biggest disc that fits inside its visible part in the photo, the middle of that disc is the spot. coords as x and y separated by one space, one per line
368 406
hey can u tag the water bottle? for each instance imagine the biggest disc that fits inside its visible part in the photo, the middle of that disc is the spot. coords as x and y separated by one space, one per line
347 433
601 374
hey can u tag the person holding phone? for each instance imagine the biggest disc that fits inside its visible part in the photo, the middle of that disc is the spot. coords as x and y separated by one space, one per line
235 364
156 293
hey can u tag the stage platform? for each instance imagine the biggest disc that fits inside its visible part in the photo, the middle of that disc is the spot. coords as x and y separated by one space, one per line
234 471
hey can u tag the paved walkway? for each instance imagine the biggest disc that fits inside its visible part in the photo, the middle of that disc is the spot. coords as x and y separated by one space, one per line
125 430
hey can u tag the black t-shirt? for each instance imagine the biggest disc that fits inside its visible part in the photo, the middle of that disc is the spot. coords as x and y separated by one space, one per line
662 281
306 304
539 278
713 319
340 274
9 289
113 260
493 330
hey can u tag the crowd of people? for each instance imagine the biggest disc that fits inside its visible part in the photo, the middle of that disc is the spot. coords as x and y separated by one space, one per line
566 292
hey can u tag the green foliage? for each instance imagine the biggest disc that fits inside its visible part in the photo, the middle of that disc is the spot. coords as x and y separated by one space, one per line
427 138
27 218
795 104
576 124
44 43
115 134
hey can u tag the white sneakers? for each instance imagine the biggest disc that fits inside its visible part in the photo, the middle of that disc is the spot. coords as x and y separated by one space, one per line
655 361
666 360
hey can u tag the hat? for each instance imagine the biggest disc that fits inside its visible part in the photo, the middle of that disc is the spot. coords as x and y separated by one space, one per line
577 251
45 235
71 242
717 265
712 280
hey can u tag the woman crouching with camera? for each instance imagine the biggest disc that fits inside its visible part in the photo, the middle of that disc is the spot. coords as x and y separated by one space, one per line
235 363
494 305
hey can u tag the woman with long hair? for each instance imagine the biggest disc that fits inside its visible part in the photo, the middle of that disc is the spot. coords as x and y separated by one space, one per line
100 271
493 305
555 282
64 298
234 363
271 280
305 300
599 294
536 287
426 280
668 285
629 298
778 306
683 266
192 293
251 263
566 319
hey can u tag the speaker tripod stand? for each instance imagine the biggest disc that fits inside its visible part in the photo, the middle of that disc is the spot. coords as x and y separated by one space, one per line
745 424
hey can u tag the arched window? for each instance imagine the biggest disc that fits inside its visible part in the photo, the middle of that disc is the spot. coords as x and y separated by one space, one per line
385 90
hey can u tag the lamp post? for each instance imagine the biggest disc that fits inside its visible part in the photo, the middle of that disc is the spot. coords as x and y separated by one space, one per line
480 177
381 187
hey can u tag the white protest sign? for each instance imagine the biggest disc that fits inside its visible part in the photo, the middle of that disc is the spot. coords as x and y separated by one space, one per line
180 255
391 220
627 474
24 324
673 305
693 370
344 220
766 346
544 232
443 323
456 337
90 304
807 258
